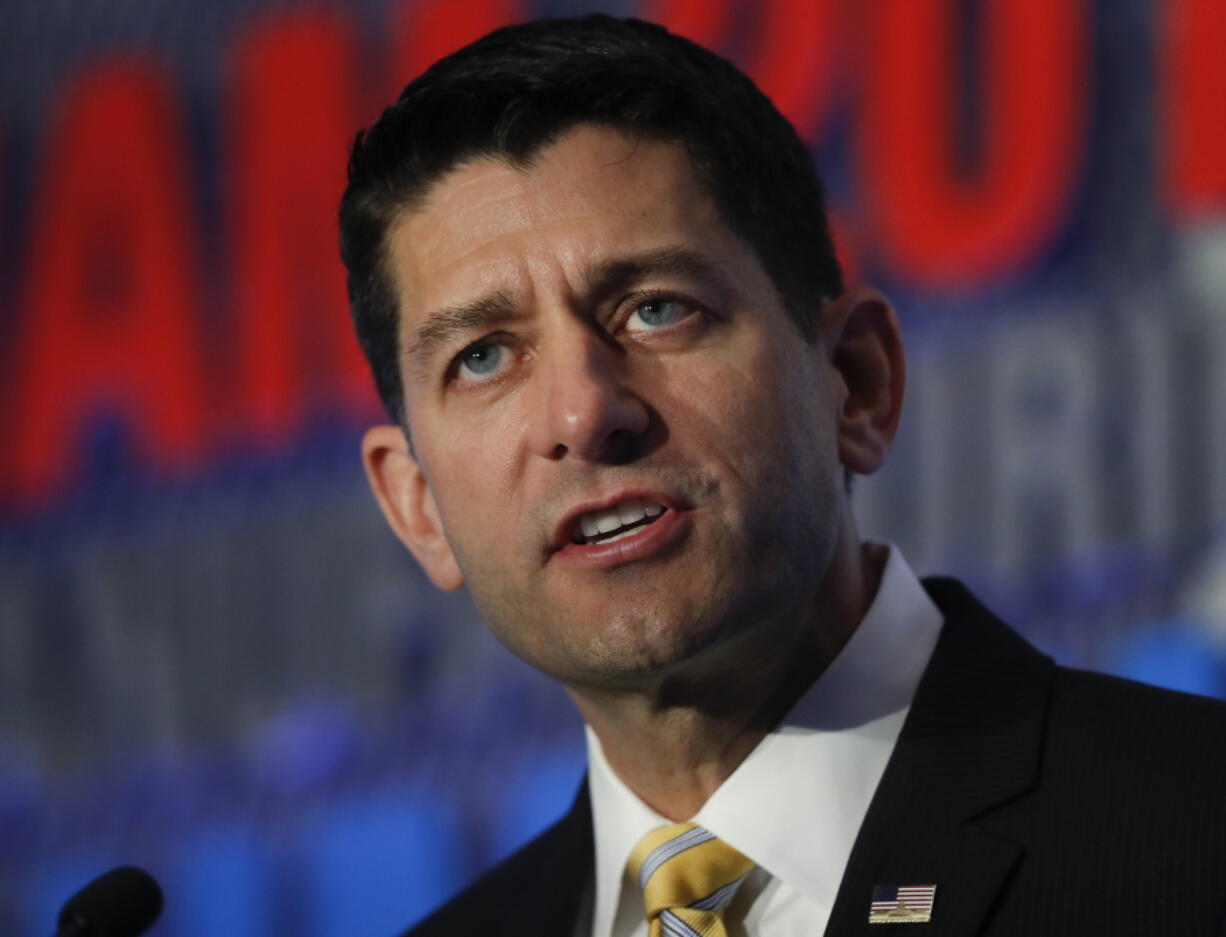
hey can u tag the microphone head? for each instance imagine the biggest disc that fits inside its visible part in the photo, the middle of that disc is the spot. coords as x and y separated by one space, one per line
123 902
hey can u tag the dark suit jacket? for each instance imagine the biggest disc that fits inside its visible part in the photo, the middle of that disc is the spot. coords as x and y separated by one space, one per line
1040 800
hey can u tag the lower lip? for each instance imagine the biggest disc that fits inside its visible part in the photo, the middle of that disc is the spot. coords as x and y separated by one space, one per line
646 542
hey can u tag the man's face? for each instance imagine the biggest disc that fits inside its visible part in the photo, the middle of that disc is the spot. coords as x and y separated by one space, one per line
587 345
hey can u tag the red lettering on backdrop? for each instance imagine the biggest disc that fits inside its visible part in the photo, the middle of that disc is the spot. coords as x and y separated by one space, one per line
110 318
290 116
795 58
794 55
1192 73
934 226
424 31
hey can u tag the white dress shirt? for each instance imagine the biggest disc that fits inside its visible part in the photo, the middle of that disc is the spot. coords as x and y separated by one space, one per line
795 805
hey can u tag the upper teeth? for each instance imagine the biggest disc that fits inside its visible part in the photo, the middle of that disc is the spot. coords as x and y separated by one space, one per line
607 520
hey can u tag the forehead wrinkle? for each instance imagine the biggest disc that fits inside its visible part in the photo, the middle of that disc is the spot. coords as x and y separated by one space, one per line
444 326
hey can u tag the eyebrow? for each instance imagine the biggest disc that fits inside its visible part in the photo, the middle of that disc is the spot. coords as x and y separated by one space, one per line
610 276
451 323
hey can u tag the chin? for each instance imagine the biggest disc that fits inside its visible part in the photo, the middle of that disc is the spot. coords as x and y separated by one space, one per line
623 640
632 648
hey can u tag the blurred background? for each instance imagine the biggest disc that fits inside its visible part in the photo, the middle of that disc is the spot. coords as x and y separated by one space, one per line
216 662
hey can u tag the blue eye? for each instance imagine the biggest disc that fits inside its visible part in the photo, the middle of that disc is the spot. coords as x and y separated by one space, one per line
482 360
657 313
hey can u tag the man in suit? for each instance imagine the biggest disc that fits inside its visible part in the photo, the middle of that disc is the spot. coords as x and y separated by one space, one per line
590 266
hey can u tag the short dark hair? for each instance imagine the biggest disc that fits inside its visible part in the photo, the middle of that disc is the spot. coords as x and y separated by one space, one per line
518 89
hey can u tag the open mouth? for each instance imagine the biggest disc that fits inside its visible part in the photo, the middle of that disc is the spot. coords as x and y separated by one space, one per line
614 523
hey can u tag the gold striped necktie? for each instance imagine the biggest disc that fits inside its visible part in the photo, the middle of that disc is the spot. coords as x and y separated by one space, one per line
688 877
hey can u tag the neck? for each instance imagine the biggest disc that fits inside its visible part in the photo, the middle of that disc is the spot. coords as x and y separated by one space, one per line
677 740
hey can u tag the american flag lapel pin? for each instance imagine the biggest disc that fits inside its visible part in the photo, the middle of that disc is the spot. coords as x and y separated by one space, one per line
902 904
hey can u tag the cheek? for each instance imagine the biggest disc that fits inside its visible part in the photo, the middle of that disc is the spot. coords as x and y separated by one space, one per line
737 403
759 416
473 464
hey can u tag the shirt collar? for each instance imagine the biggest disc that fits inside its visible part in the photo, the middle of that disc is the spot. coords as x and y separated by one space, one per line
811 779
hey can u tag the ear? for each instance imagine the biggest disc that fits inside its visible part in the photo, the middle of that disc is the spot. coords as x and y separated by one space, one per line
864 343
407 502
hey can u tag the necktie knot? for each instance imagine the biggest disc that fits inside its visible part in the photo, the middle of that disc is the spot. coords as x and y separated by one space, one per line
688 876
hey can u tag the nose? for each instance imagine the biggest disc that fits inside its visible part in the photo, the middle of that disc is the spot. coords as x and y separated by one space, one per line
583 407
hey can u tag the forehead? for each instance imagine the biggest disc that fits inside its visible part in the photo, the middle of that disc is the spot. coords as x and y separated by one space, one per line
489 225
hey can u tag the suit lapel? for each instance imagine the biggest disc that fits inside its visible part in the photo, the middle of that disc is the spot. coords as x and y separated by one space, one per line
971 742
565 875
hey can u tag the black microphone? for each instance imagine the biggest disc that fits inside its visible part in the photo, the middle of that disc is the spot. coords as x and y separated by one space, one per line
123 902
